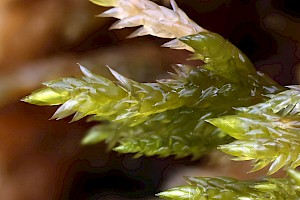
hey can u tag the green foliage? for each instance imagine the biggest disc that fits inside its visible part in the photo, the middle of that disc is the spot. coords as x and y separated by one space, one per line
179 132
167 117
266 132
227 61
193 112
105 2
229 188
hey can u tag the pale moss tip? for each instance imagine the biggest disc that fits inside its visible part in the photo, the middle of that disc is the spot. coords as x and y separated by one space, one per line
106 3
25 99
83 69
173 193
295 175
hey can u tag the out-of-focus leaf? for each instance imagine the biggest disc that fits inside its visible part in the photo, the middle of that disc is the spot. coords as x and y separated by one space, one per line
180 132
228 188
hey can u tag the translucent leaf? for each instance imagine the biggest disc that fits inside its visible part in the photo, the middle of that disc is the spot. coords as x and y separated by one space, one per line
267 132
99 133
176 132
229 188
227 81
105 2
46 96
155 20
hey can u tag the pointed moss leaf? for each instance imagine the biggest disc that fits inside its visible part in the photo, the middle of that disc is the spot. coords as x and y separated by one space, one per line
267 132
94 78
125 81
295 175
162 118
219 54
108 3
287 106
231 125
183 134
77 116
229 188
46 96
278 163
66 109
97 134
179 132
108 132
192 87
181 104
181 193
260 164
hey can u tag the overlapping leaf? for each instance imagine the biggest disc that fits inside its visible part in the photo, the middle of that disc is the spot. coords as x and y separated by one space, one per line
180 132
151 19
169 117
95 95
267 132
229 188
192 92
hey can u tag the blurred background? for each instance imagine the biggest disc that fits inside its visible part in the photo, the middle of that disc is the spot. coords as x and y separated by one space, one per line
41 40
